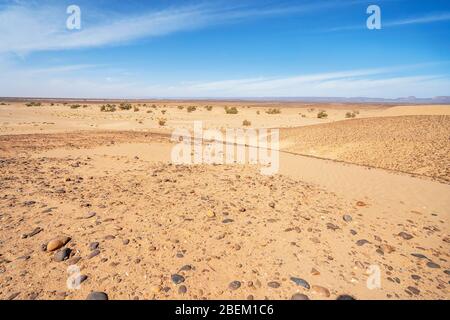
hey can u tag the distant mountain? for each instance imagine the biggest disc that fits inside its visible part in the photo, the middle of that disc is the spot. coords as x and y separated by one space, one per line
411 100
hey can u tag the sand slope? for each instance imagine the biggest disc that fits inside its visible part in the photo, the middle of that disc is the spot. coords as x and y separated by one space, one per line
413 144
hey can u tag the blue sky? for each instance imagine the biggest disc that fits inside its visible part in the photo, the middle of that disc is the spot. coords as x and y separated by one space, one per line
258 48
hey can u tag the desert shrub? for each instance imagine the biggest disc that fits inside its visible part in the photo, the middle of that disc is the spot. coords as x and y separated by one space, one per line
162 121
135 109
33 104
191 109
75 106
322 115
246 123
154 106
273 111
149 111
163 111
180 107
108 108
231 110
209 108
350 115
125 106
258 113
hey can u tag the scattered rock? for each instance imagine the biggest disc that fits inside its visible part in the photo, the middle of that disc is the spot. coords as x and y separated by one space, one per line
89 215
13 296
361 204
93 245
62 255
413 290
405 235
321 291
227 221
315 272
177 279
301 282
234 285
182 289
331 226
126 241
274 284
299 296
93 254
345 297
432 265
57 243
97 296
32 233
347 218
361 242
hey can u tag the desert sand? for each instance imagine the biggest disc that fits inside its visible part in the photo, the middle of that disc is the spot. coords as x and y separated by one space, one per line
353 195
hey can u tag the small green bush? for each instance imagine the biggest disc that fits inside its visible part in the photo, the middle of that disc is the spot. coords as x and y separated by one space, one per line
232 110
191 109
209 108
162 122
322 115
273 111
108 108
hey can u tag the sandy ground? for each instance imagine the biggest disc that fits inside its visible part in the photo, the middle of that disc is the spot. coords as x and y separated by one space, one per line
412 144
141 228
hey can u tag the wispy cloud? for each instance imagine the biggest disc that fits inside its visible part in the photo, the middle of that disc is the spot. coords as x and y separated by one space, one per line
27 28
426 19
378 82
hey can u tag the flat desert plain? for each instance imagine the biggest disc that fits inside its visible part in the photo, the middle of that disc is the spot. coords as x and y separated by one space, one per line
360 206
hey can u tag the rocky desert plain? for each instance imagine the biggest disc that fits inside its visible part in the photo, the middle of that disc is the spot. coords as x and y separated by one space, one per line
88 194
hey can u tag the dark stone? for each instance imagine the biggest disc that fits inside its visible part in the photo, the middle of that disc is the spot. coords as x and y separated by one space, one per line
94 254
347 218
301 282
234 285
182 289
62 255
405 235
177 279
433 265
332 226
419 255
97 296
187 267
414 290
274 284
345 297
361 242
94 245
228 221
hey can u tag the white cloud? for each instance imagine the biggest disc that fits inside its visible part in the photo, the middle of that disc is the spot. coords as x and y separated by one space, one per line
65 82
28 28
